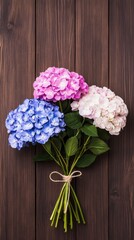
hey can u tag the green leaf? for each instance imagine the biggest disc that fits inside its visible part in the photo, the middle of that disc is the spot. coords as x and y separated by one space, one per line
57 143
65 106
89 130
70 132
86 160
62 134
89 121
42 157
71 146
73 120
103 134
98 146
47 147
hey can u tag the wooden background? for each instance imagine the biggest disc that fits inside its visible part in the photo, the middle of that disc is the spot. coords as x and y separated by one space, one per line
96 39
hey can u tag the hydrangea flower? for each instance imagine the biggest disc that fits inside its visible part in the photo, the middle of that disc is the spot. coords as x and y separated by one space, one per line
107 110
57 84
33 121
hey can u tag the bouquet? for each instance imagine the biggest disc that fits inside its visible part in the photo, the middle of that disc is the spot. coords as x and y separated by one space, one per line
73 122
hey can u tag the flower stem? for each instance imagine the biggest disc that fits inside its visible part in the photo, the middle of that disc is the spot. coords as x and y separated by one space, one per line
80 154
64 207
58 156
71 217
60 105
59 210
57 203
65 221
76 210
74 213
78 204
58 152
51 155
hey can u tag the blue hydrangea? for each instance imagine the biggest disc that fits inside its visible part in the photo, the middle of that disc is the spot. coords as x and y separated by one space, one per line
34 121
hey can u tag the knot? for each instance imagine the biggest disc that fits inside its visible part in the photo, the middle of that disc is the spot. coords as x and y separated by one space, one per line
66 179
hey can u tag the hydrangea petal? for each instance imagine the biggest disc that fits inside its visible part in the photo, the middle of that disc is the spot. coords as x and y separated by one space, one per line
33 121
57 84
107 110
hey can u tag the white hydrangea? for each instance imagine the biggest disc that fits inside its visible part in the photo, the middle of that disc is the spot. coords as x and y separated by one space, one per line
107 110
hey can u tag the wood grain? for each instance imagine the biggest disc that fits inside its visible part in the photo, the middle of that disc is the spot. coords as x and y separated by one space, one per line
54 47
92 62
94 38
17 171
121 164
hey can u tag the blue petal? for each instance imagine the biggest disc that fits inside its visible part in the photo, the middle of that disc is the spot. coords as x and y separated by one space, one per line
34 121
55 121
27 126
42 138
43 121
13 141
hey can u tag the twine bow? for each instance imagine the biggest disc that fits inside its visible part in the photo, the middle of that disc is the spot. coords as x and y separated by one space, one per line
66 179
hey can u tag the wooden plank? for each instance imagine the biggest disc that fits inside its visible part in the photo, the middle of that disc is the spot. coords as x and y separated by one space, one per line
55 47
92 63
121 164
17 170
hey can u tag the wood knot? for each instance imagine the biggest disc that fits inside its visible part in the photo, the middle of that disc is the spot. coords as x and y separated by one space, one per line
10 25
114 193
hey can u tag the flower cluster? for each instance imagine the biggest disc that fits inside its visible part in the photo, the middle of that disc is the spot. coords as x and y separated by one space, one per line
57 84
33 121
39 119
107 110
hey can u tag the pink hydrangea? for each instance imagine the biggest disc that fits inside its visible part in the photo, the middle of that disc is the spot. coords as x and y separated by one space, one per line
57 84
107 110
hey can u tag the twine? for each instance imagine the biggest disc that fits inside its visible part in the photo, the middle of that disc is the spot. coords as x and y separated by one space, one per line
65 179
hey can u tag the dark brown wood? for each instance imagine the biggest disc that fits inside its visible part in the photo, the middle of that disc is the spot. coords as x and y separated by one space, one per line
92 62
55 47
121 80
72 34
17 171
